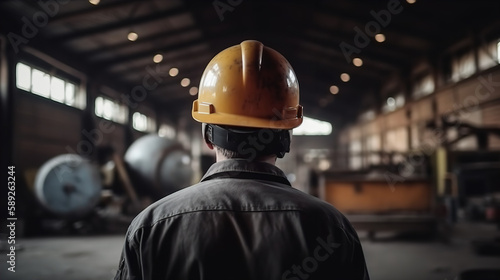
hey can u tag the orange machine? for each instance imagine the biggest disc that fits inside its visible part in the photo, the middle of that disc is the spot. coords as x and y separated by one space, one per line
373 204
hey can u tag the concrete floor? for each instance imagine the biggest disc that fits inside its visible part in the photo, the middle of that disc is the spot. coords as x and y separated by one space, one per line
388 257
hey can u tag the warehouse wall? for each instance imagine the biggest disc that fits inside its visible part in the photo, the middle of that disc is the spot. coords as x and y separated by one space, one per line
44 128
473 100
40 131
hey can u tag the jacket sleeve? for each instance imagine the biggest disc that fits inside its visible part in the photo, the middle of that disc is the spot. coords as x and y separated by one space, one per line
129 267
355 265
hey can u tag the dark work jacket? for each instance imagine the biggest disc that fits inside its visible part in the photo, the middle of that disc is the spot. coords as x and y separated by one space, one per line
242 221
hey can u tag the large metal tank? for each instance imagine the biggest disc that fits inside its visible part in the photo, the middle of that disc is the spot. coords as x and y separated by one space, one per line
158 166
68 185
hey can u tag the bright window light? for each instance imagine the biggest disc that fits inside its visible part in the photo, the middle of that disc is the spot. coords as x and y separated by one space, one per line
52 87
139 121
312 126
463 66
70 93
166 131
99 106
40 83
424 86
143 123
498 52
57 89
110 110
23 76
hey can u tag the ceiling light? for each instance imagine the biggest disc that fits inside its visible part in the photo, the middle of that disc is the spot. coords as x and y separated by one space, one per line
380 37
324 164
334 89
185 82
357 62
345 77
132 36
94 2
158 58
173 72
193 90
411 1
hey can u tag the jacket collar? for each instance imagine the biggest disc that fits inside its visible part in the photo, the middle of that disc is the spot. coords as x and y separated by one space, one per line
244 169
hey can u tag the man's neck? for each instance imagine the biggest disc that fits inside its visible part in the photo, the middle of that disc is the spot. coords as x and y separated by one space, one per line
268 159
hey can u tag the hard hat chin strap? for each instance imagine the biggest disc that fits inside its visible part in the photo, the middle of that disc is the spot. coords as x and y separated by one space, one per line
259 141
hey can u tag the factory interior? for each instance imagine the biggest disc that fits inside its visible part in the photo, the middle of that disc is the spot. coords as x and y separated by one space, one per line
401 129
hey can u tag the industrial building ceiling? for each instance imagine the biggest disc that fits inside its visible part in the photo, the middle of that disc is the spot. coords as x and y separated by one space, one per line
115 41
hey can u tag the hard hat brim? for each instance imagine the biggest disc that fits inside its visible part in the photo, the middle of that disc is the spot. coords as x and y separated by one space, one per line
246 121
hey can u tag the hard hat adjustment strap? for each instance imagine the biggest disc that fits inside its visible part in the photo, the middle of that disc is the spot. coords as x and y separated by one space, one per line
261 141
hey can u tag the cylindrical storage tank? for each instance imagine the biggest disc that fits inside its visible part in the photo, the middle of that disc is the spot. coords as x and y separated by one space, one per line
68 186
159 166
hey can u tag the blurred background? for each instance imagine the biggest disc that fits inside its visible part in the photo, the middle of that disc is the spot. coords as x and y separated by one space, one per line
402 127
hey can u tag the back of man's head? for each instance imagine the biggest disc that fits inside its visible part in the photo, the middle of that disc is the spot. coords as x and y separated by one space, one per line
248 101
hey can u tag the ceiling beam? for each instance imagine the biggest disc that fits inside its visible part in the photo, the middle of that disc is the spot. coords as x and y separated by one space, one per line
180 62
348 15
118 24
382 64
105 64
192 70
141 41
103 7
328 65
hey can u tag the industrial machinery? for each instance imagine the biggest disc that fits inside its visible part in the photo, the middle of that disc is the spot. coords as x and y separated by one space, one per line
158 166
83 193
68 185
373 203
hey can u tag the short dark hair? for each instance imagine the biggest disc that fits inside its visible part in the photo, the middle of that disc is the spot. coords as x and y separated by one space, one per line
232 154
228 153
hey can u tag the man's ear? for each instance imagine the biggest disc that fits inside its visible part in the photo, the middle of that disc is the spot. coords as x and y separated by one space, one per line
204 133
209 145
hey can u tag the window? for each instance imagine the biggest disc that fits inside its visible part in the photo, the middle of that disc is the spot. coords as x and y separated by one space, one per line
373 146
110 110
356 160
367 116
23 77
143 123
498 52
41 83
463 66
166 131
312 126
423 86
393 103
396 140
489 55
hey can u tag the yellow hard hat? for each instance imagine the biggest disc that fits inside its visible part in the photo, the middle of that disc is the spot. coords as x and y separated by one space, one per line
249 85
